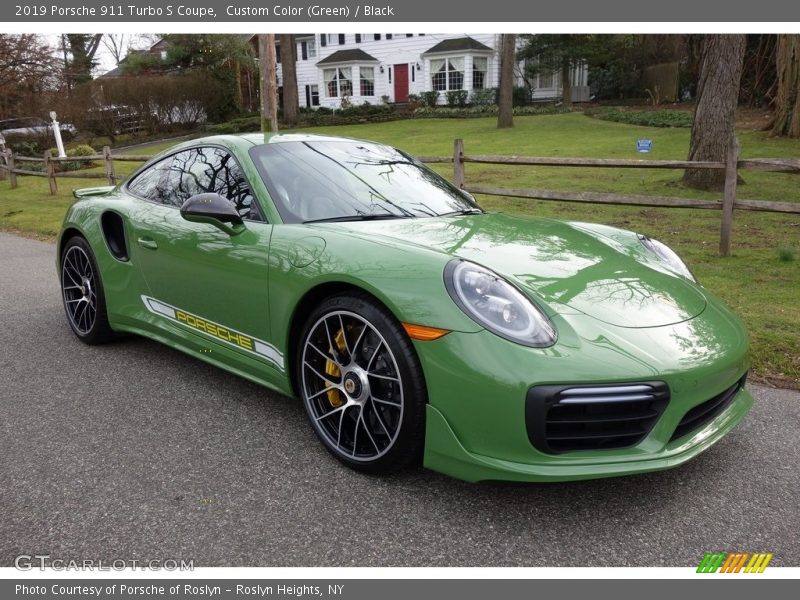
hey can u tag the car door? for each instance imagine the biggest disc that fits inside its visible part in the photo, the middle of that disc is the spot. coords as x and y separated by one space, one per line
201 279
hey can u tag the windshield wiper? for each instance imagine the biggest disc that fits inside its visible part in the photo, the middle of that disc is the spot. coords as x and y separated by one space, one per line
356 218
463 211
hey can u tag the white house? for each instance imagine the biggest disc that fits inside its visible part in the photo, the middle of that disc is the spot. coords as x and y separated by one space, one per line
373 67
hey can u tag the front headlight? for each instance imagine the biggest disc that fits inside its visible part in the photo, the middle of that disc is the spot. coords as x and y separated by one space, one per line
668 256
497 305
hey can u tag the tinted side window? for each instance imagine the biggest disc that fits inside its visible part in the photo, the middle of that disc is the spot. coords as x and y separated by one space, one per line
152 183
203 170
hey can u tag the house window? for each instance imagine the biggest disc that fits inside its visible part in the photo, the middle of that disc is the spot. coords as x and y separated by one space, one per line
308 49
338 82
388 36
312 95
329 39
163 55
358 38
479 67
367 81
546 79
377 37
447 74
409 35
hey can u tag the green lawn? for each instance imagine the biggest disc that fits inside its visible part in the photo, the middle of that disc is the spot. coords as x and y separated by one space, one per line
761 281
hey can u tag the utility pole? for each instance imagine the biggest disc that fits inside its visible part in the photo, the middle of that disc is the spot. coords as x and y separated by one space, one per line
269 82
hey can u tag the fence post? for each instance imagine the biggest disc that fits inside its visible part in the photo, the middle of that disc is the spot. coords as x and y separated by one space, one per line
729 197
12 176
458 163
51 173
112 176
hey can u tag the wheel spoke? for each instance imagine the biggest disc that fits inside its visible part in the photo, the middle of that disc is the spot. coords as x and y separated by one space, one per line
383 377
325 356
395 404
379 419
374 354
333 412
369 435
320 375
344 337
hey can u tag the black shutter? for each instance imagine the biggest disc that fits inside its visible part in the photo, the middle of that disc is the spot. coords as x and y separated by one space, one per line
304 50
308 95
341 39
323 39
277 53
358 38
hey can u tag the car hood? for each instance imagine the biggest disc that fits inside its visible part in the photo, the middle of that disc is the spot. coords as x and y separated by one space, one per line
567 266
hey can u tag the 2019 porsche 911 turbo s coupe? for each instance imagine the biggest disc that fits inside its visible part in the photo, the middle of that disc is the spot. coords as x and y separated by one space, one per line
414 326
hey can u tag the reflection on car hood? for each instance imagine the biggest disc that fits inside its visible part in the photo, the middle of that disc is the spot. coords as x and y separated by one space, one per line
566 265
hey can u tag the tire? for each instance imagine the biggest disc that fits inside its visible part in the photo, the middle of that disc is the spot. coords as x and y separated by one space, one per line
82 293
362 385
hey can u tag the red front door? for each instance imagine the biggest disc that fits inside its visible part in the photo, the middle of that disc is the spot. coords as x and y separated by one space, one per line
401 83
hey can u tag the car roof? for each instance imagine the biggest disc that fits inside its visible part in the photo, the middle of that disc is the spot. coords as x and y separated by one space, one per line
245 141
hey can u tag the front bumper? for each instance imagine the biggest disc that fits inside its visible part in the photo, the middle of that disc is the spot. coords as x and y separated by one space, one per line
478 382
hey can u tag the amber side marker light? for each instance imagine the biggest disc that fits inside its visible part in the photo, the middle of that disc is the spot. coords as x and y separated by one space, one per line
423 333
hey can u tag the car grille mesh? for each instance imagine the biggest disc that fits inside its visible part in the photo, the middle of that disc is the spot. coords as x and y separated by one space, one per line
707 411
593 417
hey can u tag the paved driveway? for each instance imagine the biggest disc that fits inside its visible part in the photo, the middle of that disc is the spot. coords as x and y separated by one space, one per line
137 451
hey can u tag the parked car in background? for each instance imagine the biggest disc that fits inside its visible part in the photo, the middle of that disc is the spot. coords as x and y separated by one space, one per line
33 127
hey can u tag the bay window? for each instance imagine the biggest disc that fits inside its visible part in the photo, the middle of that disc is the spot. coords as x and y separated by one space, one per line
480 65
338 82
447 74
367 87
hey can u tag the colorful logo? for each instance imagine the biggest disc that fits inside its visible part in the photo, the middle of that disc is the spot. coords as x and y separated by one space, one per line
734 562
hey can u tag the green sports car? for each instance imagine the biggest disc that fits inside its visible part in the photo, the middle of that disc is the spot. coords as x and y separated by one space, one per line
414 326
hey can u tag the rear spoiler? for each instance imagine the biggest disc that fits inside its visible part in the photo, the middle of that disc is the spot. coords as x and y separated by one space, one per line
93 191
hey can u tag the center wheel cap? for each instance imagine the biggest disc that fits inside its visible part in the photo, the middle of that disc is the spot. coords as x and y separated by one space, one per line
352 385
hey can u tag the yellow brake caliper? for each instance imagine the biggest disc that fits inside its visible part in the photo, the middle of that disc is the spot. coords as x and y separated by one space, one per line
334 395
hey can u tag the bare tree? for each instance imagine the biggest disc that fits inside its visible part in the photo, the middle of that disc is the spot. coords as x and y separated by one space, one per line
27 70
268 79
291 104
505 99
787 99
116 45
721 63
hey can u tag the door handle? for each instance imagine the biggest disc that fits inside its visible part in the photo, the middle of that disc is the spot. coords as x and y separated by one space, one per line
146 242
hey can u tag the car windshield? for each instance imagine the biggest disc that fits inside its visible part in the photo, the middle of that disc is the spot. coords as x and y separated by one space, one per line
312 181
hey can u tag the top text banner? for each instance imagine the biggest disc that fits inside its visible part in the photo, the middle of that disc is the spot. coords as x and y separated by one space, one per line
410 11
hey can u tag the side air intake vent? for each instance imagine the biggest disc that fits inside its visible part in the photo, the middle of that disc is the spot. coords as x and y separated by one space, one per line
114 232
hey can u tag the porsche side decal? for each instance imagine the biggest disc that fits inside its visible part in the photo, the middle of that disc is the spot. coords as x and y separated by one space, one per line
218 332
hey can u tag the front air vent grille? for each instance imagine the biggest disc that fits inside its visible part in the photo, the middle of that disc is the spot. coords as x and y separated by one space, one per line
593 417
707 411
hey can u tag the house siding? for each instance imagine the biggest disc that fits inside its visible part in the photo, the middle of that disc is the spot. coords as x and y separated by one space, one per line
410 50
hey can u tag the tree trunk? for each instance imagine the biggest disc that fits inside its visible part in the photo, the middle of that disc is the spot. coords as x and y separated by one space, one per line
715 111
505 97
566 83
291 103
269 84
787 101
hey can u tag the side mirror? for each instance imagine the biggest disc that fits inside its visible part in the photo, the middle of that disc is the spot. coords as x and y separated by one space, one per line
214 210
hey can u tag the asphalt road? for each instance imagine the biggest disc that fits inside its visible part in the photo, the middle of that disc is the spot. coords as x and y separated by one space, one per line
136 451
